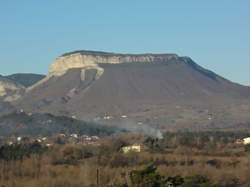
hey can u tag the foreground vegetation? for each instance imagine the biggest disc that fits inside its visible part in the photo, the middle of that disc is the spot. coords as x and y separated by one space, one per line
179 159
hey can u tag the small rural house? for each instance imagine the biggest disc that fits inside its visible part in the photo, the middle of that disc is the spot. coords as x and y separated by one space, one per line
246 140
135 148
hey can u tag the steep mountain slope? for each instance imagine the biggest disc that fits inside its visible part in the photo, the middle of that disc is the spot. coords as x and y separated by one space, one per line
163 90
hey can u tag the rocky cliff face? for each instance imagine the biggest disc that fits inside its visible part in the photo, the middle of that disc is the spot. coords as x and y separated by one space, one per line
10 90
92 59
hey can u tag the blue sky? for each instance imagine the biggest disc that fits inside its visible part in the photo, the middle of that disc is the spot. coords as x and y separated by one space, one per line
214 33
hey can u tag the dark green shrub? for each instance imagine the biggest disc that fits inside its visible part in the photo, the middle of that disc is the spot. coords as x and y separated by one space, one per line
146 177
247 148
19 151
197 181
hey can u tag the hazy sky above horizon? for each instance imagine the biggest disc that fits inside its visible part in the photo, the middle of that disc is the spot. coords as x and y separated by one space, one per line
215 33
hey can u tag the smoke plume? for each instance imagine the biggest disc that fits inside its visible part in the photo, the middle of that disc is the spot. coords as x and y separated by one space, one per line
142 129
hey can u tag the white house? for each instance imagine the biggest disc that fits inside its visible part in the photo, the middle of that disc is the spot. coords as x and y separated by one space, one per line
246 140
74 135
135 148
107 117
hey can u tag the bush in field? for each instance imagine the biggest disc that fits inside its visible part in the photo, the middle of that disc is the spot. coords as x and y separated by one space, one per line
120 185
174 181
214 162
154 144
71 155
115 145
146 177
197 181
247 148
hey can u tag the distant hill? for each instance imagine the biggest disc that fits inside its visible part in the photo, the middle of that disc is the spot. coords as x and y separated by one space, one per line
47 124
25 79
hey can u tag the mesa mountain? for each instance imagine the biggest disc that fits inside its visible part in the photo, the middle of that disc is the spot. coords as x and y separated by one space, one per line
162 90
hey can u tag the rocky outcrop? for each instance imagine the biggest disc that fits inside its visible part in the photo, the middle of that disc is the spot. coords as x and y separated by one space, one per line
91 59
10 90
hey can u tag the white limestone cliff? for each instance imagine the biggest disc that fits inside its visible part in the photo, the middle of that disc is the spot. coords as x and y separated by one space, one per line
90 60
